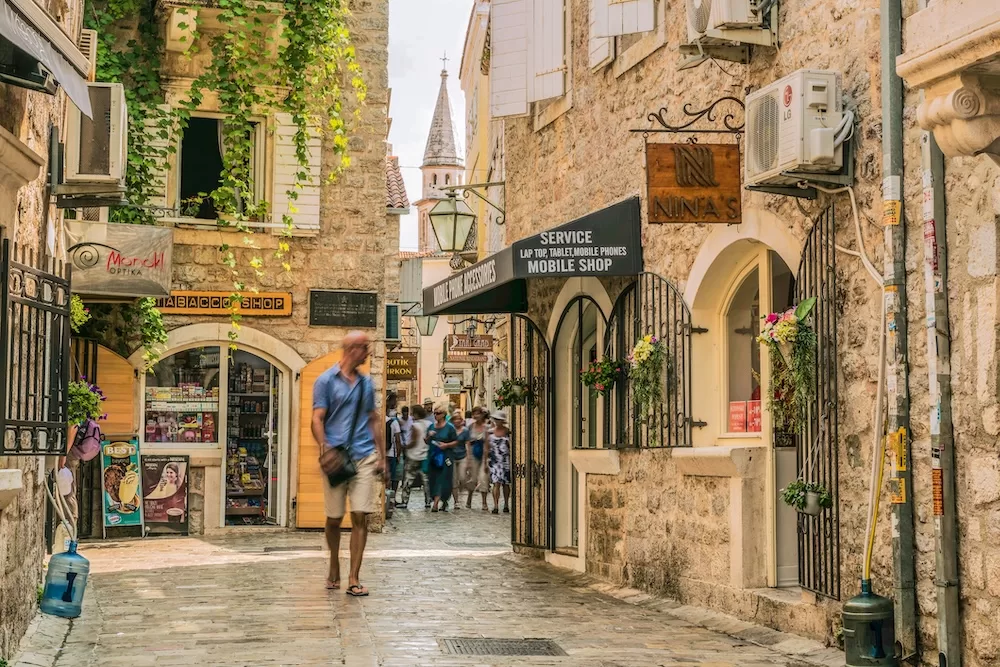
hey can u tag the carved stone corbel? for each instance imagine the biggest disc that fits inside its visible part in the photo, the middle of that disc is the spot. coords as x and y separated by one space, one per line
964 114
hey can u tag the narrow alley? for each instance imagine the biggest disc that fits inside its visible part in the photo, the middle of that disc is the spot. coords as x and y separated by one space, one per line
260 600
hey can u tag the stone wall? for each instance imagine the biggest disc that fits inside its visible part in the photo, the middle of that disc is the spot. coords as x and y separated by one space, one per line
653 529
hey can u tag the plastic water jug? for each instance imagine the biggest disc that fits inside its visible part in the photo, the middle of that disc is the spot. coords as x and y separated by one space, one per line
65 584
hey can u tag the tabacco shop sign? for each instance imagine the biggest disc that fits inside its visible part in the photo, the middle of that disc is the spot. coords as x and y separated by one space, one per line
120 260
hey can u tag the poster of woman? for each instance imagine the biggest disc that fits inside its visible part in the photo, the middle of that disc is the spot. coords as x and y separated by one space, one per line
165 497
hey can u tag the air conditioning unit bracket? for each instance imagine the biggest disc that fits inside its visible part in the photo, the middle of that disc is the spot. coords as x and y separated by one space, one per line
694 56
838 179
731 44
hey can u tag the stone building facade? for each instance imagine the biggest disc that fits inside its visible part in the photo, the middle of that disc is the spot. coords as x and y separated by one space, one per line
704 523
25 120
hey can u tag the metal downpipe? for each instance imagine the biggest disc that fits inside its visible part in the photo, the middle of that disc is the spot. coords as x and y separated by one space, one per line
894 304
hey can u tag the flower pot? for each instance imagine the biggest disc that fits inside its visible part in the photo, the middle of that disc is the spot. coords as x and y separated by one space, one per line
785 350
812 506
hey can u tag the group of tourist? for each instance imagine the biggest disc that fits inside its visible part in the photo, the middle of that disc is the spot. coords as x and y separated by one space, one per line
449 454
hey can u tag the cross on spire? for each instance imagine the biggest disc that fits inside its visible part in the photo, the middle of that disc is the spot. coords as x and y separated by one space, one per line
444 61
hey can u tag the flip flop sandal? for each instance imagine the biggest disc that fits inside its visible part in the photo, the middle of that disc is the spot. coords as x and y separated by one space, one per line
332 585
357 591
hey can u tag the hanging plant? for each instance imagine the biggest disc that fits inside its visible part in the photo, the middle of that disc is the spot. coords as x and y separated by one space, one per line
84 402
79 314
512 392
807 497
791 343
646 374
602 375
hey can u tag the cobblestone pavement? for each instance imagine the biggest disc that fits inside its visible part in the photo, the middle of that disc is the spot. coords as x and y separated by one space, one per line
259 599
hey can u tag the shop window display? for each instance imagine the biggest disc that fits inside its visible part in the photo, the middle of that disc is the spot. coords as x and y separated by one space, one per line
182 398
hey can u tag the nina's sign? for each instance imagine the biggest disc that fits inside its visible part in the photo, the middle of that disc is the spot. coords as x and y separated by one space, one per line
694 183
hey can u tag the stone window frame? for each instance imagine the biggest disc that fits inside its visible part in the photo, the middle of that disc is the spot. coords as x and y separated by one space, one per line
545 112
625 59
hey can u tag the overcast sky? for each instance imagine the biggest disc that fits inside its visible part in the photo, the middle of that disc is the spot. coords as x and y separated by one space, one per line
420 32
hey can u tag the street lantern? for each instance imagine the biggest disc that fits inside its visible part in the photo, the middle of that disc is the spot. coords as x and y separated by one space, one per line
436 389
452 220
426 324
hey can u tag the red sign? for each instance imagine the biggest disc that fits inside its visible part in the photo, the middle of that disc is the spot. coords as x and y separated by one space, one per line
737 416
753 416
788 96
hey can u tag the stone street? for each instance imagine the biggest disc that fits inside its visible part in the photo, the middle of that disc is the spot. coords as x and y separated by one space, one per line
258 599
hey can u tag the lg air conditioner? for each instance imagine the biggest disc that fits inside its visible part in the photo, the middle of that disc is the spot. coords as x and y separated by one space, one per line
795 126
706 16
97 149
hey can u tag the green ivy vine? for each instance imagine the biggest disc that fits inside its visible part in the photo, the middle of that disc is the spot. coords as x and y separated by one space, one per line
291 56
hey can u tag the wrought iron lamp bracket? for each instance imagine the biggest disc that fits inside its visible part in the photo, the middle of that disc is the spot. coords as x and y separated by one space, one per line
473 189
692 116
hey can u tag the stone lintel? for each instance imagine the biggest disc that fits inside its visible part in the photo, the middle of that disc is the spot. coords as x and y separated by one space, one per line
953 54
725 461
10 485
595 461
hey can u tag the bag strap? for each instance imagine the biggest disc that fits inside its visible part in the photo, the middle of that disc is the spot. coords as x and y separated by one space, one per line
362 388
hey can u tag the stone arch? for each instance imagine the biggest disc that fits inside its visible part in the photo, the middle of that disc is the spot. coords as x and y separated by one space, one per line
574 287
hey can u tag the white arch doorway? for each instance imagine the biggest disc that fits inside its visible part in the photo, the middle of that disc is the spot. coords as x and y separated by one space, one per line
242 432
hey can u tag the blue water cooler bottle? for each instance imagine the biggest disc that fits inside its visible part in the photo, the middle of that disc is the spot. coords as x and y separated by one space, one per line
65 584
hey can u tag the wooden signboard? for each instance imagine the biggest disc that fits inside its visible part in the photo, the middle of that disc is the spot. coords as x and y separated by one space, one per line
401 366
262 304
330 308
694 183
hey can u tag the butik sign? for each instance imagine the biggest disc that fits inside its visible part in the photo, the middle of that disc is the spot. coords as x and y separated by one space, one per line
111 259
401 366
694 183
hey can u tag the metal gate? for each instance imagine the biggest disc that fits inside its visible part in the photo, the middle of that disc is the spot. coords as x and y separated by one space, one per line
530 426
34 353
88 473
651 305
819 537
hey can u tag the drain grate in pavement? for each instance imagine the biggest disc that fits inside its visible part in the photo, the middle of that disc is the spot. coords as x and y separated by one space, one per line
307 547
464 646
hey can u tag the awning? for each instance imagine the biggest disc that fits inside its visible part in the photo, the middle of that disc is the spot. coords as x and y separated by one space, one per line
603 243
33 31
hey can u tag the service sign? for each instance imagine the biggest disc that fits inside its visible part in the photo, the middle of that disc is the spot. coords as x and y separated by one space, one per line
110 259
694 183
401 366
604 243
121 483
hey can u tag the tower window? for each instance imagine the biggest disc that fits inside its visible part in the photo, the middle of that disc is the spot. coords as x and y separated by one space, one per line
435 179
447 179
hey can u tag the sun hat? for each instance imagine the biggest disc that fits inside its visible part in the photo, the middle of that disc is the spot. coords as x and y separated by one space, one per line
428 400
499 415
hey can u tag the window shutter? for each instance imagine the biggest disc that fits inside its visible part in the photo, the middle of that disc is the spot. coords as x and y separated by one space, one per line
510 25
623 17
161 133
547 46
601 48
303 209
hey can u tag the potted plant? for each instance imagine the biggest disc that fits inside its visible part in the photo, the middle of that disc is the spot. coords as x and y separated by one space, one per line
792 345
83 410
807 497
512 392
602 375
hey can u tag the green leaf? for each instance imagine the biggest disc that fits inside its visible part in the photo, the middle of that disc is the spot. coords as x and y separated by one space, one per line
804 308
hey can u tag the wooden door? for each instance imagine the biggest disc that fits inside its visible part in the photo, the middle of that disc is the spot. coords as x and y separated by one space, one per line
117 379
309 504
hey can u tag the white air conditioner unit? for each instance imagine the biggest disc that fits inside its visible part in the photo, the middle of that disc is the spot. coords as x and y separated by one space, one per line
97 150
708 15
794 125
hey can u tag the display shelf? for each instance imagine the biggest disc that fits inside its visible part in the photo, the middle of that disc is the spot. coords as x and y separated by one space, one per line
253 493
183 406
243 511
249 395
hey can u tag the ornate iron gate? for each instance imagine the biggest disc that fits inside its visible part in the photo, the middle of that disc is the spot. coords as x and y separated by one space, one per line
34 351
88 475
819 537
530 426
651 305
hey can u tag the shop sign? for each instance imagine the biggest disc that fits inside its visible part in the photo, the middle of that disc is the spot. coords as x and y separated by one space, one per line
453 384
604 243
479 344
694 183
262 304
165 493
111 259
401 366
121 489
753 416
331 308
737 416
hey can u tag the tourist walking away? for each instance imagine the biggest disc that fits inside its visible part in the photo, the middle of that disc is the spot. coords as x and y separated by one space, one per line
394 450
441 437
416 458
498 451
459 454
477 447
348 431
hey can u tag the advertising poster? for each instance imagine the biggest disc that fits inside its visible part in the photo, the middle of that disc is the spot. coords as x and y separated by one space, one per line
120 480
165 494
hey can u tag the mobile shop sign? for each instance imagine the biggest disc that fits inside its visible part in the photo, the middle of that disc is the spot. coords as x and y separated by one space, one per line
604 243
120 260
165 493
121 489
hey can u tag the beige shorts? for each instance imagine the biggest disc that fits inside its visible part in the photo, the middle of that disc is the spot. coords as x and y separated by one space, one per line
360 489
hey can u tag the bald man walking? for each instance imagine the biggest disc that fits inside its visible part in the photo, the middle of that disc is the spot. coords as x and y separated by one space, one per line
344 415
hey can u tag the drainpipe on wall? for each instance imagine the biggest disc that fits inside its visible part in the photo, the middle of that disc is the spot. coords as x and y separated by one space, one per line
946 576
897 373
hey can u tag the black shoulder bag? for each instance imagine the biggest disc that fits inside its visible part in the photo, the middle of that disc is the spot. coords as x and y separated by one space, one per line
336 462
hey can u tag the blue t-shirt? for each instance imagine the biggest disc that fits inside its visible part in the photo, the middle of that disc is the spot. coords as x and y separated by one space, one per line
445 433
333 392
458 452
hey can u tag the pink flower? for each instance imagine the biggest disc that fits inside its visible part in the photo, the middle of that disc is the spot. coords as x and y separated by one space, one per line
772 318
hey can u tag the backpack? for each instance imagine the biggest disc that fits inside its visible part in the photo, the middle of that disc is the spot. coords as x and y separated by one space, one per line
88 441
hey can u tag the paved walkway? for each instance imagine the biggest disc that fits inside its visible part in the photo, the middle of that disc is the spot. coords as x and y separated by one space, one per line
259 599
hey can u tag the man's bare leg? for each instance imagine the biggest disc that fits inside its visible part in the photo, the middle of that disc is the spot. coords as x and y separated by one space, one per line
359 538
332 531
